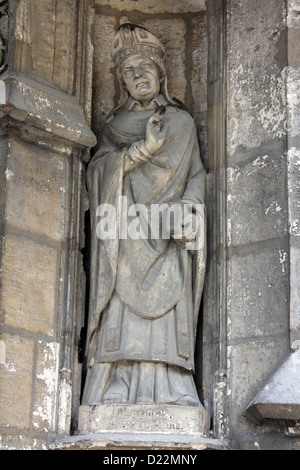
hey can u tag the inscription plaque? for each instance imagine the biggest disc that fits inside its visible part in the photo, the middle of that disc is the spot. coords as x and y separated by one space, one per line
143 419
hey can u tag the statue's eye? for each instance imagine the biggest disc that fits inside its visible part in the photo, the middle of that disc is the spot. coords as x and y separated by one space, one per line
128 70
147 65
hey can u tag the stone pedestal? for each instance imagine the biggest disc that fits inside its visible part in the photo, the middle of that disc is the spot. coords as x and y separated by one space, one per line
150 419
142 427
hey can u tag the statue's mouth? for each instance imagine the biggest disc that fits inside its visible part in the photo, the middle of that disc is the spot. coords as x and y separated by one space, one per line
142 84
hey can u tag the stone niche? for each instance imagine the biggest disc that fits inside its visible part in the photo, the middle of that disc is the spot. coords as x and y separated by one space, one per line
182 28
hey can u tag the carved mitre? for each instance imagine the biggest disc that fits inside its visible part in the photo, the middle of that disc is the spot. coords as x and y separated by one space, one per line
132 39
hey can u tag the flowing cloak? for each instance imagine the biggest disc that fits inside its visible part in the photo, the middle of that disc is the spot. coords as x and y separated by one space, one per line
145 293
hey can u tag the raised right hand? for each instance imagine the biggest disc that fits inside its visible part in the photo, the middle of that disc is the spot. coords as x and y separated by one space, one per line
155 134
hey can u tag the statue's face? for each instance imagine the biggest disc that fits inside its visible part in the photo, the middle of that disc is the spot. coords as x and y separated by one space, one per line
142 78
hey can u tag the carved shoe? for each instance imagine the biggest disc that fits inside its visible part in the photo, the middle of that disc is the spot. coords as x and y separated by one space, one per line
116 392
188 400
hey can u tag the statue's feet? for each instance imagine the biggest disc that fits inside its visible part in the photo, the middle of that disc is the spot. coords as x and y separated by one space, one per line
188 400
113 398
116 392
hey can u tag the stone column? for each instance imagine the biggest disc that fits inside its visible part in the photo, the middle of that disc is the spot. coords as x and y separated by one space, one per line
251 294
45 138
280 397
293 145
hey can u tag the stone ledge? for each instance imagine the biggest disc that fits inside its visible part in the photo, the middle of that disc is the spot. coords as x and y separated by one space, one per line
43 111
137 441
280 398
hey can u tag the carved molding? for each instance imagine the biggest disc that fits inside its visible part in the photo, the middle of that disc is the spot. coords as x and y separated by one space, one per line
280 398
43 114
3 34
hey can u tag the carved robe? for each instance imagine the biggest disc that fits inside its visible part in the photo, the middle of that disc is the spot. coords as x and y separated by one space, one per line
145 293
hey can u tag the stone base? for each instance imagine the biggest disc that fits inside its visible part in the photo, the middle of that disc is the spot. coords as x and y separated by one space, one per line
151 419
139 441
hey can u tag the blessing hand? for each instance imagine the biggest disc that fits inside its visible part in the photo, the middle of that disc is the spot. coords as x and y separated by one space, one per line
155 134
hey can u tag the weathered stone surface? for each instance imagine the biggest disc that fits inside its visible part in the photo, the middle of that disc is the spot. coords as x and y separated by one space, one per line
172 33
258 293
104 77
274 441
295 294
293 32
44 105
45 41
16 382
45 113
199 79
250 364
155 6
256 91
280 398
36 188
296 444
46 387
140 441
156 419
292 75
255 215
29 274
21 442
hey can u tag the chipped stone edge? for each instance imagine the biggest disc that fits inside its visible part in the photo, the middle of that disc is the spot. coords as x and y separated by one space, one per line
43 112
274 401
106 441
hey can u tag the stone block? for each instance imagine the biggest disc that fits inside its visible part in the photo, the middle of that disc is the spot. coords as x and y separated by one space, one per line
48 116
258 293
16 382
267 442
21 442
103 71
29 277
199 79
294 190
155 6
3 166
256 82
293 50
45 387
152 419
249 367
294 287
296 444
142 441
280 397
45 41
257 205
36 188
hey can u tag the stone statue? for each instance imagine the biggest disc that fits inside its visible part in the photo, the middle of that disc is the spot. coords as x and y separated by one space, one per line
145 291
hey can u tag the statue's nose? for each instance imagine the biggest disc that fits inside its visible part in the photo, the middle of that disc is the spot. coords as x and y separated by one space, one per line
138 71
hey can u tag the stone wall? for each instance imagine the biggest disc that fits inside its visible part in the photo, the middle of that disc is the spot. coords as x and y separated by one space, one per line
258 302
45 107
247 294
